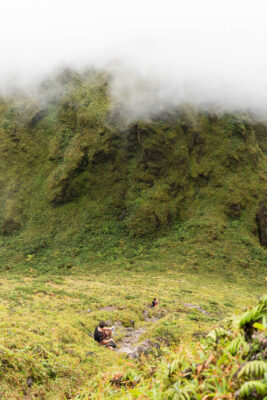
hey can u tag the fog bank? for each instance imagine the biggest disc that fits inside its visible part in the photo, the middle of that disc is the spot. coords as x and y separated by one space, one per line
160 53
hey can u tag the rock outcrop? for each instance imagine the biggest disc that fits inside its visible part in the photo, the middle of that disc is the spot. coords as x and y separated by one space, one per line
261 218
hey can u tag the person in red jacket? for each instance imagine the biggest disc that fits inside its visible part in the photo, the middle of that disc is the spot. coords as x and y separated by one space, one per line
154 302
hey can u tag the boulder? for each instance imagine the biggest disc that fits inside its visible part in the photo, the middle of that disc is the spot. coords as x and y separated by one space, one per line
261 218
145 348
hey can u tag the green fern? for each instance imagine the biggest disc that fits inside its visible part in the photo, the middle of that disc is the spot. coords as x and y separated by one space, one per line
252 316
132 375
156 393
236 344
263 300
176 392
250 386
253 368
174 366
217 333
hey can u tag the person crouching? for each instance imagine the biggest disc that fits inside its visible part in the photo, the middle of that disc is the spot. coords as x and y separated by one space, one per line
103 335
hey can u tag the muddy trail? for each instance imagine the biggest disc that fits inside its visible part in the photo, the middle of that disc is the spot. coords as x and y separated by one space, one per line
129 344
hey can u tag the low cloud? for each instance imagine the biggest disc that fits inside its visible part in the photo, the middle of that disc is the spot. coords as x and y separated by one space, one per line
159 53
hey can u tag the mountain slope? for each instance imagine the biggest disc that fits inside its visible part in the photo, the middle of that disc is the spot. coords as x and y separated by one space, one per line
78 185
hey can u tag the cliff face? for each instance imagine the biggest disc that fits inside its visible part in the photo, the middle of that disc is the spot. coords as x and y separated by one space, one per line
69 168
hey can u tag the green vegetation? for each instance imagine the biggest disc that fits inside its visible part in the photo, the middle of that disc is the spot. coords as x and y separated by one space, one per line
47 323
98 216
229 365
79 187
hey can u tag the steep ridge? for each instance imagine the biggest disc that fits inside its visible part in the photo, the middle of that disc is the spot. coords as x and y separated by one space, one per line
75 179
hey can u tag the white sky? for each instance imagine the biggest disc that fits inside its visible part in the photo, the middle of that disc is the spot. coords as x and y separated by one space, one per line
200 49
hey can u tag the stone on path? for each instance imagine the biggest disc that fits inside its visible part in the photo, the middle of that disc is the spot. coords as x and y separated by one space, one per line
145 348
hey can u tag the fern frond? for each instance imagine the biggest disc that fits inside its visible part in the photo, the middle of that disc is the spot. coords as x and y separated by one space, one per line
156 392
250 386
217 332
253 368
263 300
235 345
251 316
174 366
181 393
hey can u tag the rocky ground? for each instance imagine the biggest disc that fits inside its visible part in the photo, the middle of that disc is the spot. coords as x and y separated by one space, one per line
129 343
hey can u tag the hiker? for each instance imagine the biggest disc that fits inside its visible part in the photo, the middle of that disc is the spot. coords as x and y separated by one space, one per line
154 302
103 335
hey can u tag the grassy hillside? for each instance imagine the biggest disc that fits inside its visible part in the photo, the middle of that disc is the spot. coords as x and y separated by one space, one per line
47 350
98 216
80 187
